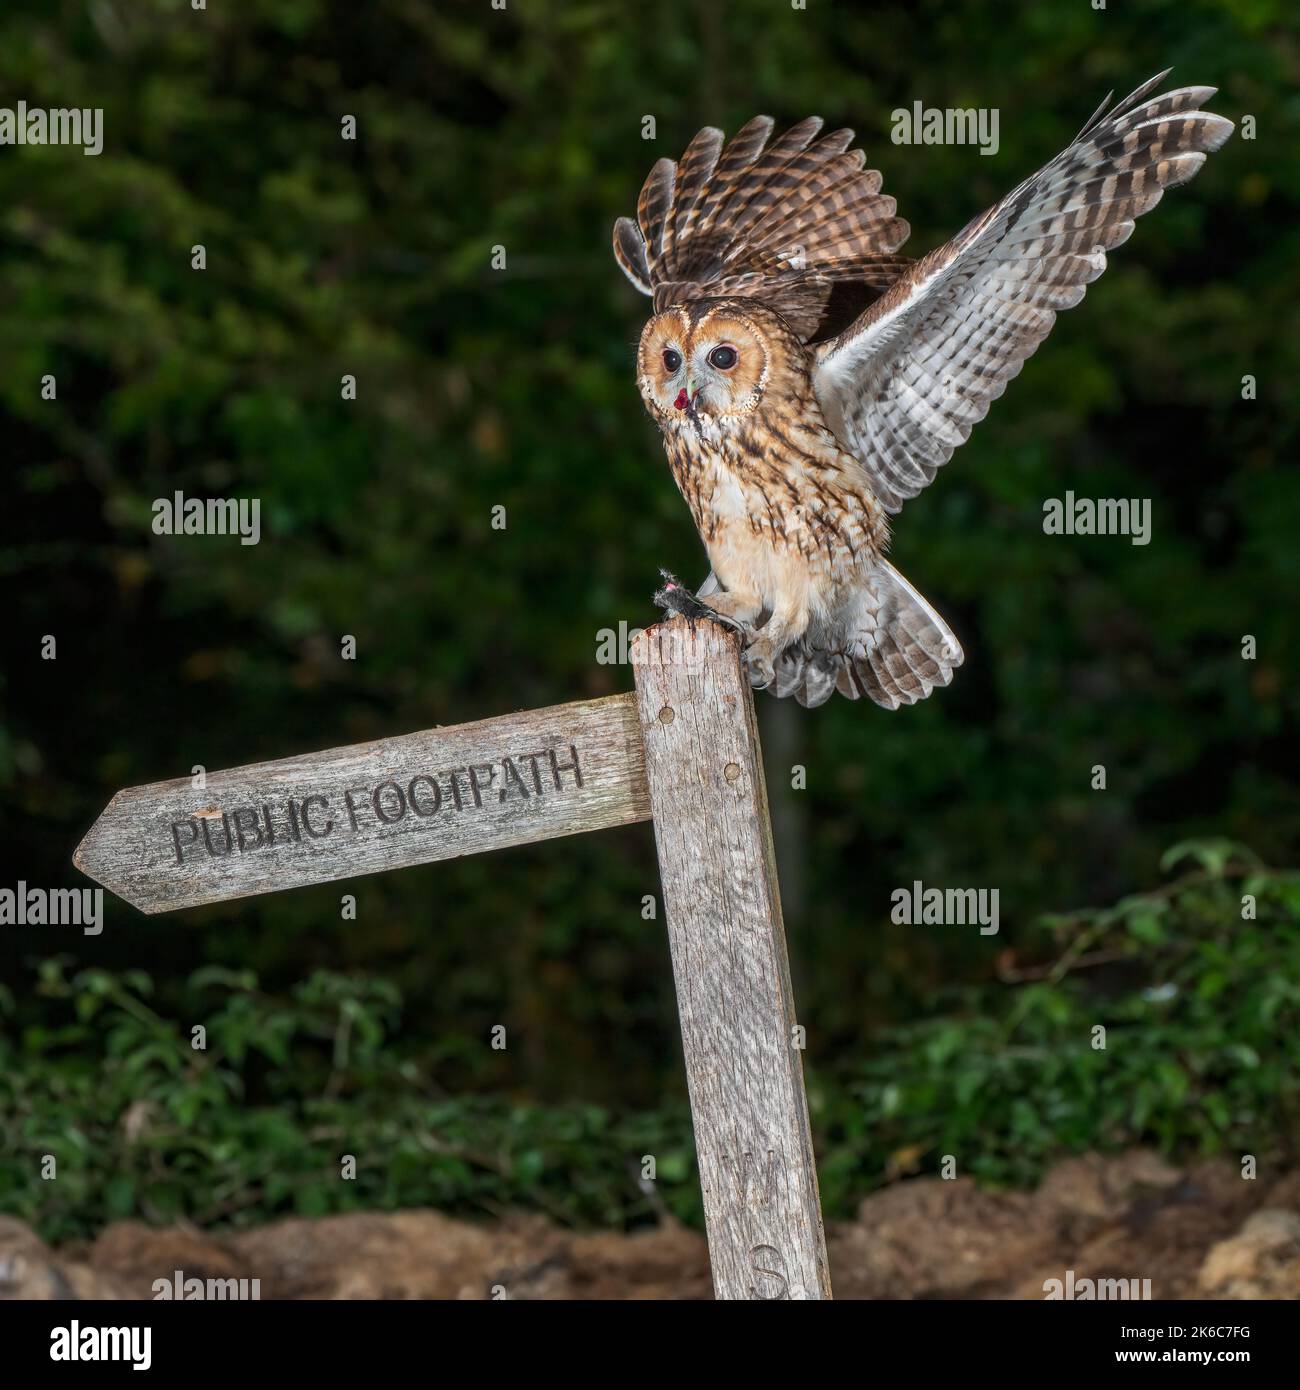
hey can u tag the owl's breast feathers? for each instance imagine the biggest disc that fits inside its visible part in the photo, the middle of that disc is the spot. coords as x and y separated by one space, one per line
778 480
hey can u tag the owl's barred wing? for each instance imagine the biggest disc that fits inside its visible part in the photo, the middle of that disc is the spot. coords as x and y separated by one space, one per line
905 384
782 223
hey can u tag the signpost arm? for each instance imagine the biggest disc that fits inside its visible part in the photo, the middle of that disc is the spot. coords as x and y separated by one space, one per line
372 807
723 909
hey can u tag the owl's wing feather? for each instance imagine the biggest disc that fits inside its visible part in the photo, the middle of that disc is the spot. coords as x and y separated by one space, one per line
783 223
904 385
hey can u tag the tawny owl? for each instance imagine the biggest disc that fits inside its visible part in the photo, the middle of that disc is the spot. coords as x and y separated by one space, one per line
791 441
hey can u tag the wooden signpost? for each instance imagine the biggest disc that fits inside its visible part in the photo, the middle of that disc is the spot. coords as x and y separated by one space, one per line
683 751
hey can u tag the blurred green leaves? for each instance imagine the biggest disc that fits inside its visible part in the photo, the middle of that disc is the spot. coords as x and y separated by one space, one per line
1199 1007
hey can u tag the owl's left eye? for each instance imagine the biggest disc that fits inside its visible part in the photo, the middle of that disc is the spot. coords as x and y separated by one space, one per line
723 358
672 360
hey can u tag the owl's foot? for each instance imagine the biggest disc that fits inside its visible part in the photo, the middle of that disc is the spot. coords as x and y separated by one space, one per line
759 662
675 597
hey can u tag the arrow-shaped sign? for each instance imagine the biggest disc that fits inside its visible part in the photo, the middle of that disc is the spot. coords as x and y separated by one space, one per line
373 806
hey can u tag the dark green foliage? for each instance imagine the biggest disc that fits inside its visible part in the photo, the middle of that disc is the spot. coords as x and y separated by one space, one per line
1201 1010
1200 1052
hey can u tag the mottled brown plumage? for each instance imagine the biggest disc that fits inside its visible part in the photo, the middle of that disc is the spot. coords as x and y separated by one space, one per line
790 437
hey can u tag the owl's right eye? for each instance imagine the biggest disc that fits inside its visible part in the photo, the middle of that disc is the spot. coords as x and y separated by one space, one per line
672 360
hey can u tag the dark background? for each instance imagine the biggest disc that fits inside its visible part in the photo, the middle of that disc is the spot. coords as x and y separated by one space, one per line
479 388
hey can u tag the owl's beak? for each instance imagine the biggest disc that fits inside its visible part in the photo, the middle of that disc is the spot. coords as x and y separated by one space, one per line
692 394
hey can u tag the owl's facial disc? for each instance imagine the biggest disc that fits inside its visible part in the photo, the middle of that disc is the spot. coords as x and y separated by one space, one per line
694 366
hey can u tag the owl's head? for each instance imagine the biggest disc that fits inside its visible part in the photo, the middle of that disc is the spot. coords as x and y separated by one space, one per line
714 360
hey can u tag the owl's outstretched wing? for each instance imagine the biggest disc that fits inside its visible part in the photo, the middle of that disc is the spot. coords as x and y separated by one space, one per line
783 223
904 384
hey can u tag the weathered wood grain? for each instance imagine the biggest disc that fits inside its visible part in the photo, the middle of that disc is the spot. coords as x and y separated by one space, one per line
373 806
723 908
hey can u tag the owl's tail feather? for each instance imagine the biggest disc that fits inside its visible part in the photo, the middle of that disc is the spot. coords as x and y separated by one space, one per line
888 644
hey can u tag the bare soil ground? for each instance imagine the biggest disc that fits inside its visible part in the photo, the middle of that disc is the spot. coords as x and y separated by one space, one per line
1196 1232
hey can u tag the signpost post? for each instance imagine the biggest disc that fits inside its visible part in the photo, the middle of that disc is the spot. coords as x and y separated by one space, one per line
682 750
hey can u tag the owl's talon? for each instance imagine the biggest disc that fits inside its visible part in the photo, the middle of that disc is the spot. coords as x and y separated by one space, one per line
758 666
